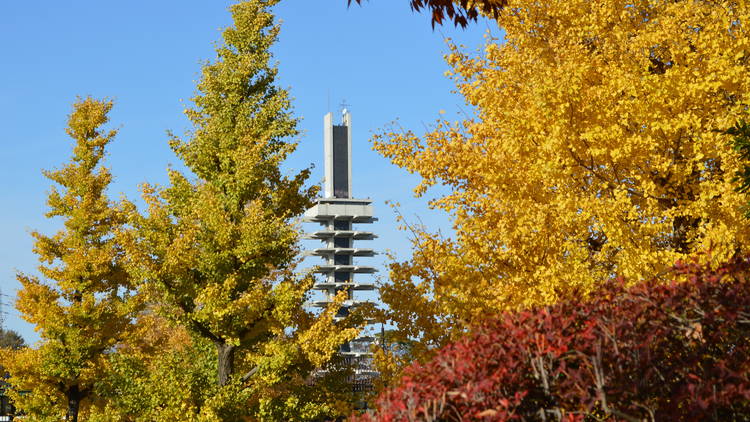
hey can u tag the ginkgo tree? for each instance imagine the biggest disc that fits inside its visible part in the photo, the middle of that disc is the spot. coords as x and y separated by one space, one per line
217 248
80 306
597 146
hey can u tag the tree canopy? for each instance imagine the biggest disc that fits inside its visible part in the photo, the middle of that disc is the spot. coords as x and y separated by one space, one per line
217 248
676 352
80 308
597 146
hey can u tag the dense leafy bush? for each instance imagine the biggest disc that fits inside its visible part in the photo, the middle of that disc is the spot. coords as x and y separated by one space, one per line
655 351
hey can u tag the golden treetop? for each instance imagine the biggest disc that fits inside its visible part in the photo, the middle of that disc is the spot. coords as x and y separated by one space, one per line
80 307
596 148
217 248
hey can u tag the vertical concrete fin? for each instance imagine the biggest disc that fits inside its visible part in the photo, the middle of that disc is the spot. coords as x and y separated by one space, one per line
328 155
348 124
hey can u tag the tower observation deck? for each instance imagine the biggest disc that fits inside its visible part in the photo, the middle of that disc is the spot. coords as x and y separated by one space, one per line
337 212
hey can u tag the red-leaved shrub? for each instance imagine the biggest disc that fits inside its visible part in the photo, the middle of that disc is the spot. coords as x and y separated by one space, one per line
663 352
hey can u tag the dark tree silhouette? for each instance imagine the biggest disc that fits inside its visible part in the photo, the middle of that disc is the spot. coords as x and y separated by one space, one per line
10 339
460 12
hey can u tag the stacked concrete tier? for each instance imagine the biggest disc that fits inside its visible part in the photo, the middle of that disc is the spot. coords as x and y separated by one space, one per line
337 215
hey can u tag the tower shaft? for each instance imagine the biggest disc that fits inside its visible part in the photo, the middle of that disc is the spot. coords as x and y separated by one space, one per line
338 212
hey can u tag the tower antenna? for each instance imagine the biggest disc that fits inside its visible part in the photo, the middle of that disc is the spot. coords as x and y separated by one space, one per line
343 108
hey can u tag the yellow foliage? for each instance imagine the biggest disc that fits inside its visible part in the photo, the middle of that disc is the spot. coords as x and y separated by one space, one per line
321 340
595 149
80 308
217 248
40 398
151 334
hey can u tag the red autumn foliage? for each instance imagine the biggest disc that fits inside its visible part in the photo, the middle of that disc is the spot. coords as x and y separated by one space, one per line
458 11
679 351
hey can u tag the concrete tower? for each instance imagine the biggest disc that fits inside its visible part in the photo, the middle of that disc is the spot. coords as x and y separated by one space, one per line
337 212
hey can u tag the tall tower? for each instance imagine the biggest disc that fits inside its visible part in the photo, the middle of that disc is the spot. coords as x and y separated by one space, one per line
337 212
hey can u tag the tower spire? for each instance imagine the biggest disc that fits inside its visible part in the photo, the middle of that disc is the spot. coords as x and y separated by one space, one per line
337 146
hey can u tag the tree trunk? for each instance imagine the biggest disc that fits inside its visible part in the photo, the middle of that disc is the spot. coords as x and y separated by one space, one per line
74 403
225 354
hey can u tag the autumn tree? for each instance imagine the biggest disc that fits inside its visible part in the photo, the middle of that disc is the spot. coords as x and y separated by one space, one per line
79 306
160 373
597 146
218 246
460 12
10 339
664 352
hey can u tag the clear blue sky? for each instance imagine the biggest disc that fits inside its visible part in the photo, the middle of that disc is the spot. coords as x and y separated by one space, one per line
382 58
